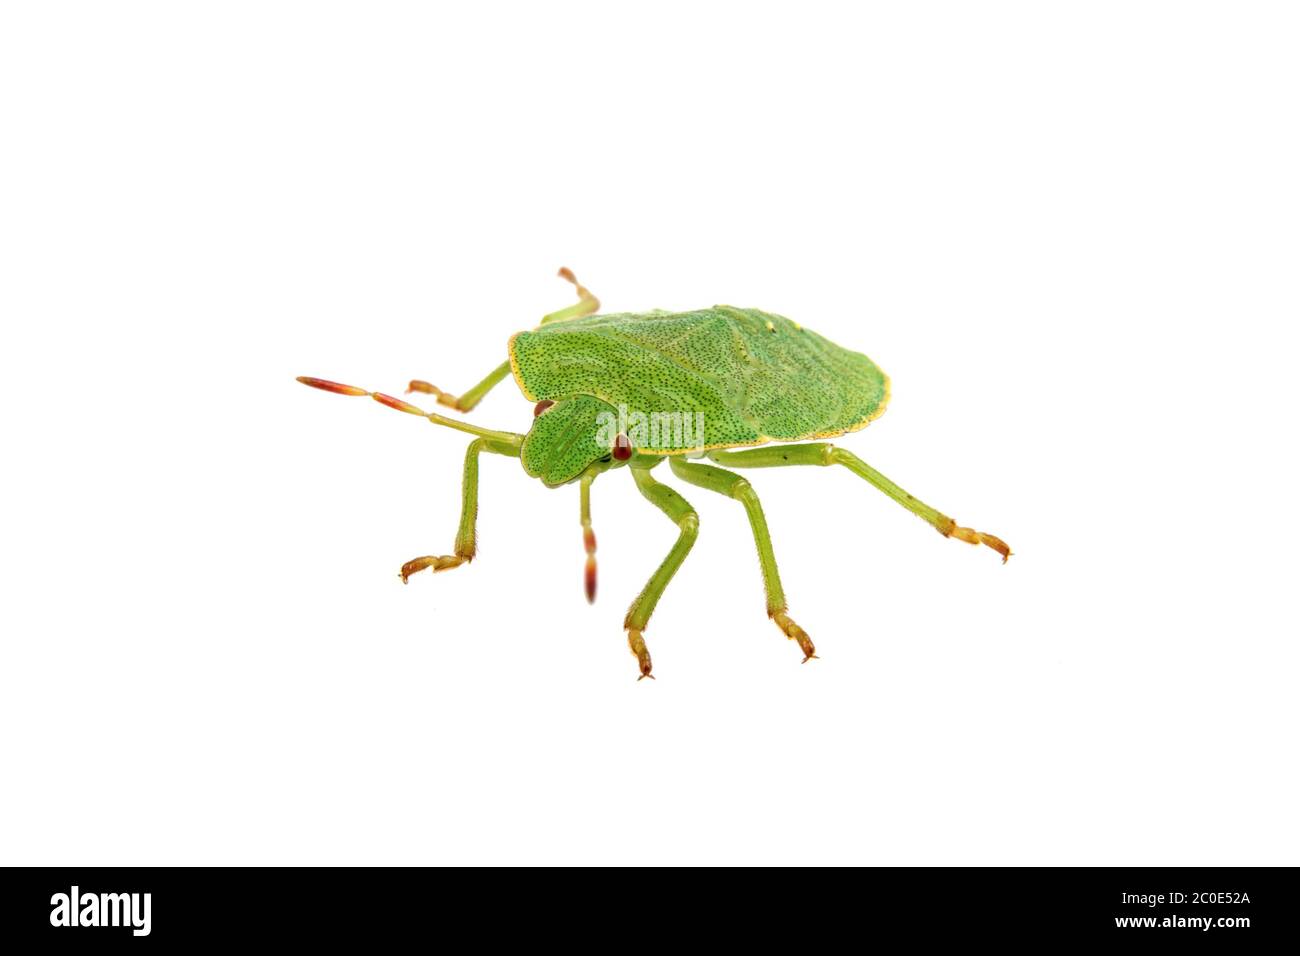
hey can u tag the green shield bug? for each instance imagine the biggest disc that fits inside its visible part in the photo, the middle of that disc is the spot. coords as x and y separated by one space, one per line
635 389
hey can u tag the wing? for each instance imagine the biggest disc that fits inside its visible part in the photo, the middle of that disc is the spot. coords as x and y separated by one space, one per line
754 377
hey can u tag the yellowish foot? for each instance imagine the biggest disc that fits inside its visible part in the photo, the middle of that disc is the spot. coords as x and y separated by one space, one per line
439 563
970 536
444 398
795 633
637 645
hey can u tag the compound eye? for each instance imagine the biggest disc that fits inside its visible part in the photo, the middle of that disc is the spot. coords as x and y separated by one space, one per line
622 449
542 406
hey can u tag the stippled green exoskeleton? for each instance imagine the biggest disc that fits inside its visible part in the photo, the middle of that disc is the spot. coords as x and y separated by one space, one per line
635 389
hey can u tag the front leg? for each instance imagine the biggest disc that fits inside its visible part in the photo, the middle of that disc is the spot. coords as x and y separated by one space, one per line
679 510
587 304
467 400
466 536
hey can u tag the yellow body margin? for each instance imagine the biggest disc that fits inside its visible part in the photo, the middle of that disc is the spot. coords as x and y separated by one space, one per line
514 369
763 439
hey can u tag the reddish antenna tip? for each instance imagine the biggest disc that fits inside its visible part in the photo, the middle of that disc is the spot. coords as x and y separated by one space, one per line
398 404
590 580
331 386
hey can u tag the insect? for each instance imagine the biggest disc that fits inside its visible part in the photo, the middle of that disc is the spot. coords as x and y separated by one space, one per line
633 390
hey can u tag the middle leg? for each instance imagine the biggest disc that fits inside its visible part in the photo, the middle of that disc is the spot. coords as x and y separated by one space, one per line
733 486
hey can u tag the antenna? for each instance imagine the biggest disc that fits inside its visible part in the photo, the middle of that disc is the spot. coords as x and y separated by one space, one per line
509 438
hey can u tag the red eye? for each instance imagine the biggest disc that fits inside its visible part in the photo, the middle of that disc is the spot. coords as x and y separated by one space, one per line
622 449
542 406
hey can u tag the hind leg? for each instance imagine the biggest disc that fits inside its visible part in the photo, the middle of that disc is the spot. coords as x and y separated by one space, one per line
825 454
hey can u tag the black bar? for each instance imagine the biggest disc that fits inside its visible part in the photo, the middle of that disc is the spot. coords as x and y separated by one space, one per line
809 908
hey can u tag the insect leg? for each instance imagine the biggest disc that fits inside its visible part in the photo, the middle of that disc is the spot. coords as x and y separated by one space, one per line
466 537
822 453
683 515
469 399
734 486
587 303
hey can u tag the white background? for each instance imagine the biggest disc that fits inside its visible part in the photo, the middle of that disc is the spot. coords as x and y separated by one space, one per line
1067 231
